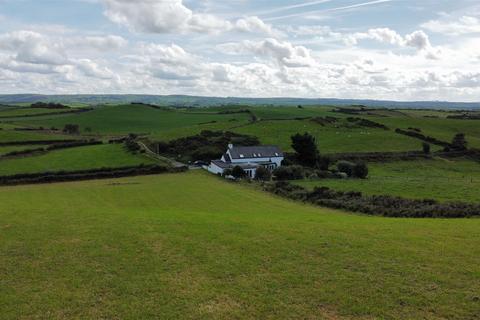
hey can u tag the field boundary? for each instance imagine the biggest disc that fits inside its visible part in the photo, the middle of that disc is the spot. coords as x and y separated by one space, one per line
92 174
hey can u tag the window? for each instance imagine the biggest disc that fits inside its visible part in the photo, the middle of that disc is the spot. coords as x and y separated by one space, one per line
242 156
259 155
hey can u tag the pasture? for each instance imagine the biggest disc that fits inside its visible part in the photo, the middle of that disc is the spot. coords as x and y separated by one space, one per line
80 158
165 247
440 179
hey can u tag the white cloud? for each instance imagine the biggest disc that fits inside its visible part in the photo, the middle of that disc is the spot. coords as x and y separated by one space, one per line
454 27
170 16
32 47
283 52
417 39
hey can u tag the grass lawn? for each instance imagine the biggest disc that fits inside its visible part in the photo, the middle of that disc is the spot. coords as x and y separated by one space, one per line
191 246
81 158
440 179
329 138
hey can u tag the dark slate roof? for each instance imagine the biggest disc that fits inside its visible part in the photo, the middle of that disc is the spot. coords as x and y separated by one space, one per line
229 165
256 152
221 164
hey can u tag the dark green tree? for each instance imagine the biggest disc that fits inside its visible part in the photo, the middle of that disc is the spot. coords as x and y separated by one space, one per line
306 149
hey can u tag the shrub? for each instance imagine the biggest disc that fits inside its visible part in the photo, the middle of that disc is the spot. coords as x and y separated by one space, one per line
289 173
426 148
263 174
459 142
360 170
346 167
238 172
71 129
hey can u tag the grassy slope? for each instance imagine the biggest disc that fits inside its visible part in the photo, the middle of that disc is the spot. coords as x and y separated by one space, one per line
80 158
440 179
329 138
193 247
132 118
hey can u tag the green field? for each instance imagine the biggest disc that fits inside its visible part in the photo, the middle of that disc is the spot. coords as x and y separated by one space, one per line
191 246
115 120
17 136
19 112
4 150
441 128
331 139
80 158
442 179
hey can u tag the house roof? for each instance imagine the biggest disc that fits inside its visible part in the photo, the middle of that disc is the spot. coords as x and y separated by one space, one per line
255 152
229 165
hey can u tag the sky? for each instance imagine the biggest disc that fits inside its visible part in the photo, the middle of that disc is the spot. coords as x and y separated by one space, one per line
365 49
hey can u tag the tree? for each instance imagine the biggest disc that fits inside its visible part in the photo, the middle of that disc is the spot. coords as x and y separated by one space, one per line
71 129
238 172
360 170
426 148
263 174
306 148
459 142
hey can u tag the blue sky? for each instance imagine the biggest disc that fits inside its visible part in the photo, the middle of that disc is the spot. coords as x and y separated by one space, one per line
376 49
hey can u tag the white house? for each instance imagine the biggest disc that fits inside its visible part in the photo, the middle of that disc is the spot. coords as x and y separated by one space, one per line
248 158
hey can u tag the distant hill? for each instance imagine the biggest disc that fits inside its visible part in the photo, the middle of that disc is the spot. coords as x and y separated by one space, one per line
197 101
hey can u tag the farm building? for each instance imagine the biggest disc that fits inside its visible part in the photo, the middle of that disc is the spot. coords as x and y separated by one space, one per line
248 158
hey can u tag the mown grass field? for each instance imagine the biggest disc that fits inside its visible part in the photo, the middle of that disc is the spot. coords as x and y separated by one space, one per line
191 246
81 158
441 179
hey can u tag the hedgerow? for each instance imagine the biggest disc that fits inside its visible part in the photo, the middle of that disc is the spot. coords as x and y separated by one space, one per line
383 205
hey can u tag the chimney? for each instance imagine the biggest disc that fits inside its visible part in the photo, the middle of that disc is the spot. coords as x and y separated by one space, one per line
230 146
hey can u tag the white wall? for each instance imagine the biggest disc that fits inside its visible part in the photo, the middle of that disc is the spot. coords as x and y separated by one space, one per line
213 168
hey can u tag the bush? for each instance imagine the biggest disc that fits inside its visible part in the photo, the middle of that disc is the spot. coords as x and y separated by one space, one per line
71 129
238 172
360 170
263 174
426 148
289 173
346 167
459 142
